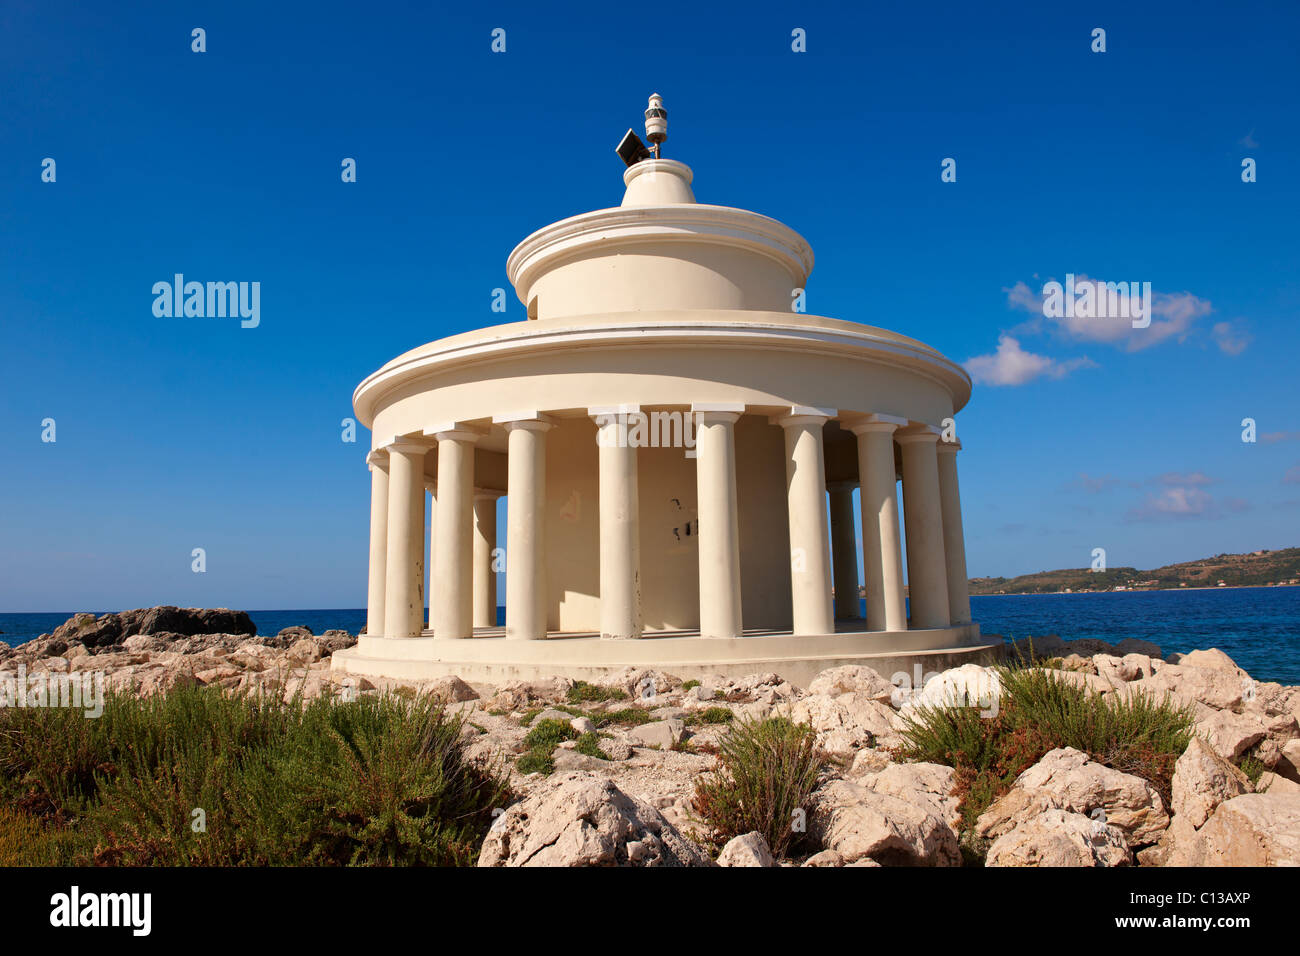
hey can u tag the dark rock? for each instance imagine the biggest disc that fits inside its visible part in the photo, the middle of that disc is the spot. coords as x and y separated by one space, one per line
295 633
332 641
166 620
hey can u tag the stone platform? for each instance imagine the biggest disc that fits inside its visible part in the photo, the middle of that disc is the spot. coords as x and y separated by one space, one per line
490 657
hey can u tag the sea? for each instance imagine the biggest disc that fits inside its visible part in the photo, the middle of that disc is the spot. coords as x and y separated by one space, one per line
1259 628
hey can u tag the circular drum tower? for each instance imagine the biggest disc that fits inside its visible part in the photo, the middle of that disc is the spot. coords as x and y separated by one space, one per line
678 450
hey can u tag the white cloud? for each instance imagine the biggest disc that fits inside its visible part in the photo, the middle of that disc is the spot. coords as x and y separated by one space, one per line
1012 365
1231 337
1172 315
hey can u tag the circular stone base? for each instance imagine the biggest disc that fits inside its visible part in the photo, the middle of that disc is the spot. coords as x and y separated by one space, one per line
495 659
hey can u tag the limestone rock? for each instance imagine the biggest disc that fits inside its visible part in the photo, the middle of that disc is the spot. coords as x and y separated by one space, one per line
929 785
847 723
1060 838
1231 735
1272 783
1202 780
824 858
749 849
453 690
1254 829
1068 779
303 650
1214 659
858 822
967 686
579 819
583 725
1187 684
663 734
849 679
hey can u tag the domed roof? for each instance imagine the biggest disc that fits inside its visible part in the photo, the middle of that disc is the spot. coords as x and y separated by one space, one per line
659 250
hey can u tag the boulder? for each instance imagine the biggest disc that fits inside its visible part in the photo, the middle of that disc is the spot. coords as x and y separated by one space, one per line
291 635
1190 684
303 650
1060 838
580 819
1254 829
967 686
1203 779
1272 783
825 858
453 690
929 785
1069 779
1214 659
857 822
583 725
852 678
749 849
1231 735
661 734
847 723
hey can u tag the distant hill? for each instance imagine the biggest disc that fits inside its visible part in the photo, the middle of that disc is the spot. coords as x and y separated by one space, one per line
1233 570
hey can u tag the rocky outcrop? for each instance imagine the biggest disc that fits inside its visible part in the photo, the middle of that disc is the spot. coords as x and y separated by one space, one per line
108 629
1068 779
580 819
1254 829
749 849
1058 837
861 823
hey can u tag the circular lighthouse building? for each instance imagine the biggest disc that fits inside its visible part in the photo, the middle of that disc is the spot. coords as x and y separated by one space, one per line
678 450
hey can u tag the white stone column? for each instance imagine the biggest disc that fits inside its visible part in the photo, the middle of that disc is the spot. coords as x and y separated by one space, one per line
453 602
378 462
431 562
485 541
954 540
882 552
526 526
844 550
927 574
810 557
404 572
620 539
719 523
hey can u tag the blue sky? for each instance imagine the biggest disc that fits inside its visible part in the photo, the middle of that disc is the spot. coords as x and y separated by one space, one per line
181 433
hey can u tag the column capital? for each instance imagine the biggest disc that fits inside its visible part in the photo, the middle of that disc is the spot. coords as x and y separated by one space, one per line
611 412
951 447
404 446
917 433
804 415
531 420
875 423
710 413
377 456
454 431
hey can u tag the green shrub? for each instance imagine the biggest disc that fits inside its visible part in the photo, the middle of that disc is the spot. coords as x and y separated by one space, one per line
377 781
1039 712
626 717
712 715
589 744
582 692
689 684
768 770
